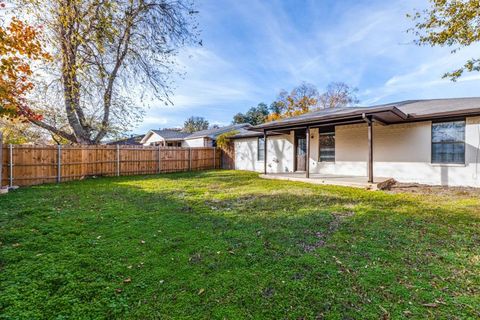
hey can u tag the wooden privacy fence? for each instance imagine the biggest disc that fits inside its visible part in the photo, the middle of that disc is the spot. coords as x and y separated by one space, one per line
24 165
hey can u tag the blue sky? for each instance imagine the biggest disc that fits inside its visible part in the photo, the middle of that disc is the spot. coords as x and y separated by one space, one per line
252 49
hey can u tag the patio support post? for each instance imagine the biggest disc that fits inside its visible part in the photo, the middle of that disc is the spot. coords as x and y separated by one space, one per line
265 152
307 161
370 150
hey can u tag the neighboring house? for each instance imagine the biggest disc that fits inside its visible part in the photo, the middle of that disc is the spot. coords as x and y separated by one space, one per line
208 138
134 140
433 142
164 138
177 138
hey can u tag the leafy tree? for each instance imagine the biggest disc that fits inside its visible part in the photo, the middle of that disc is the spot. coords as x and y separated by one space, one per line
17 131
19 47
450 23
305 98
105 52
194 124
224 140
276 107
300 100
240 118
254 116
337 95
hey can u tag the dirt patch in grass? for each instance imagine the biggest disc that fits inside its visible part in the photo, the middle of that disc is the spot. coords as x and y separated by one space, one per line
322 236
421 189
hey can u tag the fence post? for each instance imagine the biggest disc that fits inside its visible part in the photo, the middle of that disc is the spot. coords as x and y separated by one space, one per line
118 160
214 156
10 164
159 163
189 159
59 163
1 159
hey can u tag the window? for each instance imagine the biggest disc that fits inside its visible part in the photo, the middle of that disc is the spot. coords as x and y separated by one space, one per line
174 144
448 142
261 149
327 147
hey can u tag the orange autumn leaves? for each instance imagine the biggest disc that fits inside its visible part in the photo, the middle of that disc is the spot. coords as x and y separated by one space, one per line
294 107
19 47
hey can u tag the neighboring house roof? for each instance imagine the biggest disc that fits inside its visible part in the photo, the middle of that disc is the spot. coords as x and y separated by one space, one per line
166 134
171 134
214 133
244 133
133 140
403 111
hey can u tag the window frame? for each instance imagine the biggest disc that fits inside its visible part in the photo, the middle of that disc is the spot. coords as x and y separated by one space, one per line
332 133
262 157
456 142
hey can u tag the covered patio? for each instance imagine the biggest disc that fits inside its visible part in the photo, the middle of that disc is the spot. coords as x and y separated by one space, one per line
326 122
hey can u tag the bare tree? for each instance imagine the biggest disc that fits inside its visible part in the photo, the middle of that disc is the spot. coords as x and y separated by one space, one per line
338 94
105 52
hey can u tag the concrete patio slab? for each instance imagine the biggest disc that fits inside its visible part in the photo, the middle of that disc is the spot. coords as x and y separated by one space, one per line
336 180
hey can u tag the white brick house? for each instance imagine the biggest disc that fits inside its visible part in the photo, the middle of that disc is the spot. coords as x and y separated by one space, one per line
433 142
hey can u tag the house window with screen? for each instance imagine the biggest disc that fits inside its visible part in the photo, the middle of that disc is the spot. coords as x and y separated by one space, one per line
261 149
448 142
327 147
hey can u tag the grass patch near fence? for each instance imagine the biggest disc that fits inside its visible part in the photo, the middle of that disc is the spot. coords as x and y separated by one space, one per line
228 245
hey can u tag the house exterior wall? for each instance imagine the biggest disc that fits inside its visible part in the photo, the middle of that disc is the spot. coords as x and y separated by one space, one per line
279 154
401 151
198 142
154 138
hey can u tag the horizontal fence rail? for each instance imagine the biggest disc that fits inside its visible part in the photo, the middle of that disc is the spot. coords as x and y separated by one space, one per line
24 165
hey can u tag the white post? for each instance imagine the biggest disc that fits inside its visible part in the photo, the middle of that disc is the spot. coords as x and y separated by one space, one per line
59 163
10 164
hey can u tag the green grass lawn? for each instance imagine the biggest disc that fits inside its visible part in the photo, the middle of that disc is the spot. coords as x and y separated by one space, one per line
228 245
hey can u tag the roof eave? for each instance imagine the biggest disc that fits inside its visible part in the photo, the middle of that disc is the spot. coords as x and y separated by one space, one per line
355 115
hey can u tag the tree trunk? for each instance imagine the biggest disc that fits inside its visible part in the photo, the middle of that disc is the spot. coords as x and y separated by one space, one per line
71 86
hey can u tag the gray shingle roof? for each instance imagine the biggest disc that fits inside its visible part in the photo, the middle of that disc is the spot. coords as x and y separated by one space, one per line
417 108
412 109
244 133
133 140
214 133
171 134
